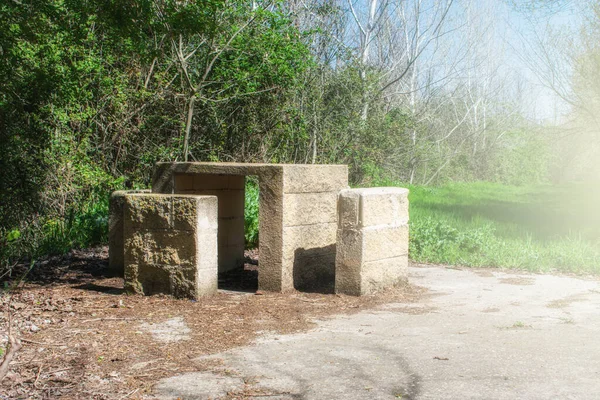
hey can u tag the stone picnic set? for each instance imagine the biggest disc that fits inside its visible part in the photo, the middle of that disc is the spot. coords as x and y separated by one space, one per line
177 237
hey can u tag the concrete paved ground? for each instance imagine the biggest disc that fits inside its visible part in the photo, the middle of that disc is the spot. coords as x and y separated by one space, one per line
477 335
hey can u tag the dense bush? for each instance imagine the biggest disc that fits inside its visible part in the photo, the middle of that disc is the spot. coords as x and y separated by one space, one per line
93 93
433 239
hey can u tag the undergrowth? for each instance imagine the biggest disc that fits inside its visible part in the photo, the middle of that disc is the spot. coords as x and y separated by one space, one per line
80 228
251 213
83 223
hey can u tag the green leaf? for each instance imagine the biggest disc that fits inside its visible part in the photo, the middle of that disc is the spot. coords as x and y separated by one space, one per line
13 235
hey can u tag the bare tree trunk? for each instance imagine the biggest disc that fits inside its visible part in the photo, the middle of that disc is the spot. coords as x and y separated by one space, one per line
366 36
188 126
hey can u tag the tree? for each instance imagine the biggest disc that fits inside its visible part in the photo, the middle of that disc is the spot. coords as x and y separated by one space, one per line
93 93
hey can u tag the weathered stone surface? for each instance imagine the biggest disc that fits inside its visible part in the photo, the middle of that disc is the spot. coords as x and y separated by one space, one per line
384 242
149 212
347 278
314 178
183 182
170 244
163 178
349 249
384 206
377 275
372 240
218 182
308 237
159 247
373 243
115 229
308 255
372 207
290 196
309 208
348 209
190 181
270 225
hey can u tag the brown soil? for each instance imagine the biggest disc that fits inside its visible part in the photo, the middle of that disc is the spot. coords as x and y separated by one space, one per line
567 301
520 281
83 338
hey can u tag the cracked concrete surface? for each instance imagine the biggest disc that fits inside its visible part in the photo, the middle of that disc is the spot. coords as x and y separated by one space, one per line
476 335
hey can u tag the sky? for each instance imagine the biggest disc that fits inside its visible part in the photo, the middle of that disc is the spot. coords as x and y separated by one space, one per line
508 32
522 27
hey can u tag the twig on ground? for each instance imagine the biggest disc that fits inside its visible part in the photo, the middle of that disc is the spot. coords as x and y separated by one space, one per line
13 346
59 370
37 377
108 319
42 344
129 394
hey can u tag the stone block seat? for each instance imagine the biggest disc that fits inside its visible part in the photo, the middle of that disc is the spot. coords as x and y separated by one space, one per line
170 244
372 240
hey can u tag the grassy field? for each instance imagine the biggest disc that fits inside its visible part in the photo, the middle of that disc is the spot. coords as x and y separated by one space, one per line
540 228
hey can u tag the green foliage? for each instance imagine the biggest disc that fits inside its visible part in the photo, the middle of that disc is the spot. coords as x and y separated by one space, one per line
434 239
251 213
524 160
13 235
92 94
84 223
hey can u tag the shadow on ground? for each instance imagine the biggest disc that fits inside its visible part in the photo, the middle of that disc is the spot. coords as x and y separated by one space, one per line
243 279
76 267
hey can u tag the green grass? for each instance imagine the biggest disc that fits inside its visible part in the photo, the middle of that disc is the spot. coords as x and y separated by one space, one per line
536 228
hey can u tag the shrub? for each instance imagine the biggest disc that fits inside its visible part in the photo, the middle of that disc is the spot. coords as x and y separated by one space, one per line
251 214
78 223
433 239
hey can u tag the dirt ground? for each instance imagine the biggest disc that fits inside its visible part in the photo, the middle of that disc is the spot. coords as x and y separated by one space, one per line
83 337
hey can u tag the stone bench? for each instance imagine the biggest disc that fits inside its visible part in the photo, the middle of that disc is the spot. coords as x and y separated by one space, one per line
372 240
313 230
170 244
